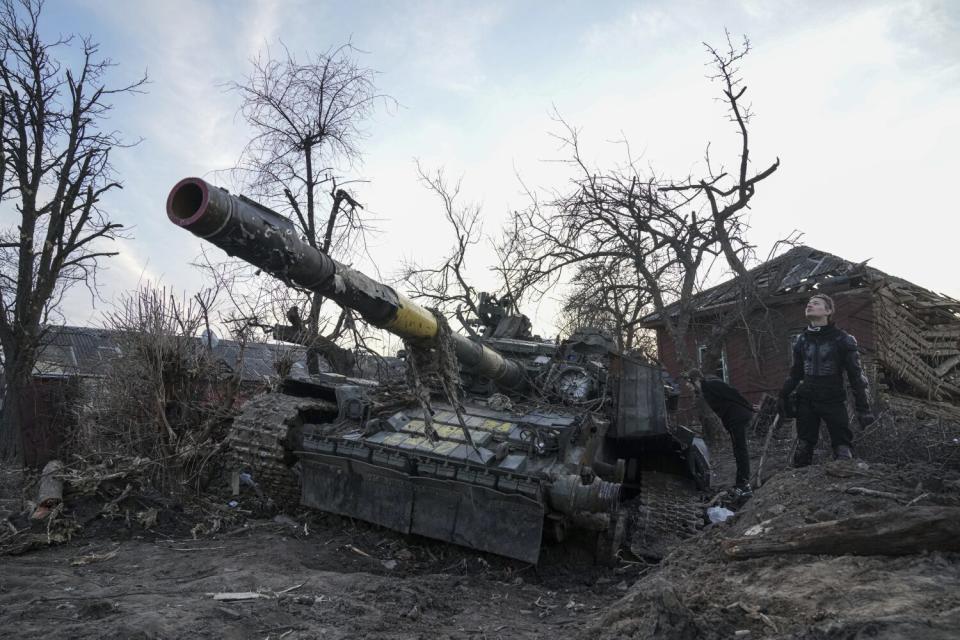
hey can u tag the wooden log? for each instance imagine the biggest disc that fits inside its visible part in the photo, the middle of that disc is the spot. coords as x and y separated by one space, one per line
892 532
50 493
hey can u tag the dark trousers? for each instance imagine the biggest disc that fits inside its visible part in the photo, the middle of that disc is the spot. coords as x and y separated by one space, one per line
738 436
811 411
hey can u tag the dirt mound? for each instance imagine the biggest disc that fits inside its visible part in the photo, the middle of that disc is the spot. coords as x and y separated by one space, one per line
699 592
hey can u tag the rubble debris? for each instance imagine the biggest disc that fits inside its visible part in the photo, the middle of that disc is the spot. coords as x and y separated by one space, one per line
812 592
918 337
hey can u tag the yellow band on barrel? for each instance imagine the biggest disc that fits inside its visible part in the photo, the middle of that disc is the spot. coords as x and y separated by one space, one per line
412 320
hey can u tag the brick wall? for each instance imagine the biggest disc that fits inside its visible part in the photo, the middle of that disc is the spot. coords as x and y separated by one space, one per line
758 361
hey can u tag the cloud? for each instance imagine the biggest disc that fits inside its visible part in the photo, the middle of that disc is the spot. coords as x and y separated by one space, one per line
441 44
638 28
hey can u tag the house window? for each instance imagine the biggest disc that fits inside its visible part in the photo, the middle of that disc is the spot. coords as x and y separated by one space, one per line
721 370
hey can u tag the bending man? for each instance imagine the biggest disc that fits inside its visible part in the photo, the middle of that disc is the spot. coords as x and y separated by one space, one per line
735 412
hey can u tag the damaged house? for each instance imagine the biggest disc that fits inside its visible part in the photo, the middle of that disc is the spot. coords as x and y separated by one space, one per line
909 337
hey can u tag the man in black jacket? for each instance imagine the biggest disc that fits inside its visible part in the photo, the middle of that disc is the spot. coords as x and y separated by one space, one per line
735 412
821 357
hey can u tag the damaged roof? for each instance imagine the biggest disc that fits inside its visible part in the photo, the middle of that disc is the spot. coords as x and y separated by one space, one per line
804 269
76 351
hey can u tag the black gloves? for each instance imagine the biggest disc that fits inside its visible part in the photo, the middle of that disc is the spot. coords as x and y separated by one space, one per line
865 418
788 406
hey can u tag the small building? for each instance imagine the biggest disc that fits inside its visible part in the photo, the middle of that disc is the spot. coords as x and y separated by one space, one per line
73 361
909 337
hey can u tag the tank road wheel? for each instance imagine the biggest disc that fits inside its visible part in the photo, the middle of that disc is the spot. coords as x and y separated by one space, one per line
260 443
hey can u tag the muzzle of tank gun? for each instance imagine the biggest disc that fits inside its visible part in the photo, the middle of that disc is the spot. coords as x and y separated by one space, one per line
248 231
569 495
262 237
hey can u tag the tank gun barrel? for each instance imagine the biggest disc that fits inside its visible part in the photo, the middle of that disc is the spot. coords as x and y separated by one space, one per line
269 241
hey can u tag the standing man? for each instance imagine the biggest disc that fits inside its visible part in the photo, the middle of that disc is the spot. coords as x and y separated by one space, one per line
735 412
821 356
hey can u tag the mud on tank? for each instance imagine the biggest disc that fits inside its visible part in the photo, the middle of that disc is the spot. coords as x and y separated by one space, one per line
543 440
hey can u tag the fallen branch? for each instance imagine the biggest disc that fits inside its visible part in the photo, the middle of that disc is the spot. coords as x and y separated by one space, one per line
93 557
874 493
236 596
892 532
917 499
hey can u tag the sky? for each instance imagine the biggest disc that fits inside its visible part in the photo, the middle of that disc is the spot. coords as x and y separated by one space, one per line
859 100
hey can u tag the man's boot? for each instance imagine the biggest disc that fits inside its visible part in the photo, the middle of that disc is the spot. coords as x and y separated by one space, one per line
742 491
803 456
842 452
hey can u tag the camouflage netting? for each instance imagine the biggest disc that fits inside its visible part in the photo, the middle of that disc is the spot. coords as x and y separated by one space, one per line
432 364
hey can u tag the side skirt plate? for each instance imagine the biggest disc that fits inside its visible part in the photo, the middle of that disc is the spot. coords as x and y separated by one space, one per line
464 514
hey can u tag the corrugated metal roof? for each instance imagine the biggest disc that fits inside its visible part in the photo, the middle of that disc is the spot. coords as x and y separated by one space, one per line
87 351
76 351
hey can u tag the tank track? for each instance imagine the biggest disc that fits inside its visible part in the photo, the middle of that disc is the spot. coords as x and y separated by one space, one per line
666 513
259 442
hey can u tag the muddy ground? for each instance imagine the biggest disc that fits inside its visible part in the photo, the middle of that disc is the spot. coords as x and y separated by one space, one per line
304 576
148 568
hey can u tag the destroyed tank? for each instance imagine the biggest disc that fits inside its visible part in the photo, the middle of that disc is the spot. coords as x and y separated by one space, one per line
538 439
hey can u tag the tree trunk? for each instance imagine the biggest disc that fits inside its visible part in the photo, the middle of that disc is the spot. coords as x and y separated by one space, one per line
50 493
11 417
893 532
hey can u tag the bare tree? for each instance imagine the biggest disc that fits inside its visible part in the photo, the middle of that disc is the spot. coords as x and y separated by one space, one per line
444 285
666 234
167 395
607 294
54 170
728 196
308 122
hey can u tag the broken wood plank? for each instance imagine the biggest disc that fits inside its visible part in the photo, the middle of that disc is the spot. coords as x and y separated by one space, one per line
893 532
237 596
947 365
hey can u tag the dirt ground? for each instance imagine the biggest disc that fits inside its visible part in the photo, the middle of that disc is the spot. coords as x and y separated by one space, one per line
306 576
698 592
140 566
